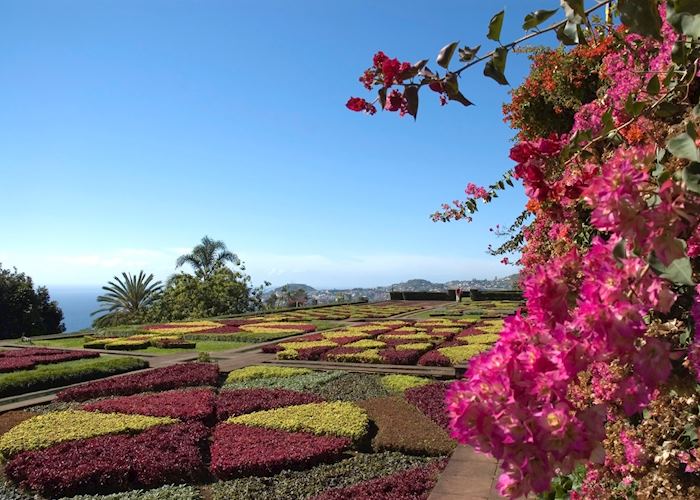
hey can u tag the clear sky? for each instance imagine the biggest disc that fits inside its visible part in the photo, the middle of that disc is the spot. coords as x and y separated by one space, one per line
129 129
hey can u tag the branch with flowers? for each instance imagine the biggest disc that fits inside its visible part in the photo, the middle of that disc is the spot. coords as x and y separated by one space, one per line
603 370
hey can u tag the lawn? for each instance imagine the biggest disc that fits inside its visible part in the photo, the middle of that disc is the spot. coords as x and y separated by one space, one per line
202 346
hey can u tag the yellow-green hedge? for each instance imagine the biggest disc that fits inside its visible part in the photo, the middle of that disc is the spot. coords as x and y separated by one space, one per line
399 383
52 428
308 344
367 344
486 338
339 418
256 371
415 346
464 352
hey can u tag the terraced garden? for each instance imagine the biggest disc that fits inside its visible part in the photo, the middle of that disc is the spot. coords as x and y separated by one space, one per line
259 432
248 427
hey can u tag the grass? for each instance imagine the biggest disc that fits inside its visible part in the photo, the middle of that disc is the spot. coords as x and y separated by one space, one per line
323 324
202 346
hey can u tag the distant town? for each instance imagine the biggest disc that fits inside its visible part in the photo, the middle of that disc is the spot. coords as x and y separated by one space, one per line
309 295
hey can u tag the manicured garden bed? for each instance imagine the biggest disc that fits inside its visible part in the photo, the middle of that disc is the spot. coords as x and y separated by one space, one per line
428 342
266 432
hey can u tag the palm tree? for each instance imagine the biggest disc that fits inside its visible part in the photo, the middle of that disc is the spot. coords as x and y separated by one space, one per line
207 257
128 296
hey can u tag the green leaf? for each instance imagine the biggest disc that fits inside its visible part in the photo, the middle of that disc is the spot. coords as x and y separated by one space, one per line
641 17
691 177
382 97
413 70
634 107
608 122
684 16
534 19
574 9
619 250
668 109
496 66
654 86
445 55
696 111
686 6
679 271
683 146
568 33
690 130
452 90
495 26
411 96
466 54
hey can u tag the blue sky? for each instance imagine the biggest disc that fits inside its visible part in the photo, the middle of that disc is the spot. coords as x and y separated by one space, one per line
130 129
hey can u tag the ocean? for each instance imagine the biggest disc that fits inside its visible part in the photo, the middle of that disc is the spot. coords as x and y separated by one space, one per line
77 303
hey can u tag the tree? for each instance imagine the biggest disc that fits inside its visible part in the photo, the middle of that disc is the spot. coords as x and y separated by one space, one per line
24 310
127 299
271 301
222 293
207 257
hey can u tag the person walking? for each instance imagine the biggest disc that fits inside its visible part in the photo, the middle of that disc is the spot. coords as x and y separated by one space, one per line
458 294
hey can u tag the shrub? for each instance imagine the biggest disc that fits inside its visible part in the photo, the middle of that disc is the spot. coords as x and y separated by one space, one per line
159 379
306 484
168 492
165 343
307 345
460 354
363 356
203 357
194 404
353 387
405 338
240 450
418 346
308 381
164 454
241 401
430 399
392 356
310 354
338 418
258 371
367 344
434 358
399 383
127 345
402 427
14 364
412 484
357 335
48 429
70 372
486 338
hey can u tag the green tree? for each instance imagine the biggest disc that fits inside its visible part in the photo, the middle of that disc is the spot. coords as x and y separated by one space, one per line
222 293
207 257
24 310
127 299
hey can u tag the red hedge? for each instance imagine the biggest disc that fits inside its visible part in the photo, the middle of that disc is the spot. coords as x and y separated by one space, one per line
195 404
272 348
434 358
430 399
239 450
400 357
218 329
157 456
28 358
411 484
160 379
241 401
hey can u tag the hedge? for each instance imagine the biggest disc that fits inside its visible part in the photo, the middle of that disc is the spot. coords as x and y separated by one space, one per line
338 418
460 354
243 401
69 372
353 387
239 450
306 484
309 381
168 492
399 383
193 404
49 429
402 427
160 379
414 484
430 399
161 455
258 372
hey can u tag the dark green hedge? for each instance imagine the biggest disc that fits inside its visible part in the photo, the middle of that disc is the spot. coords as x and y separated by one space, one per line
71 372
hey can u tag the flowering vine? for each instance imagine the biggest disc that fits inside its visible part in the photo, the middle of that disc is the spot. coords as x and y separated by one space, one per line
608 342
